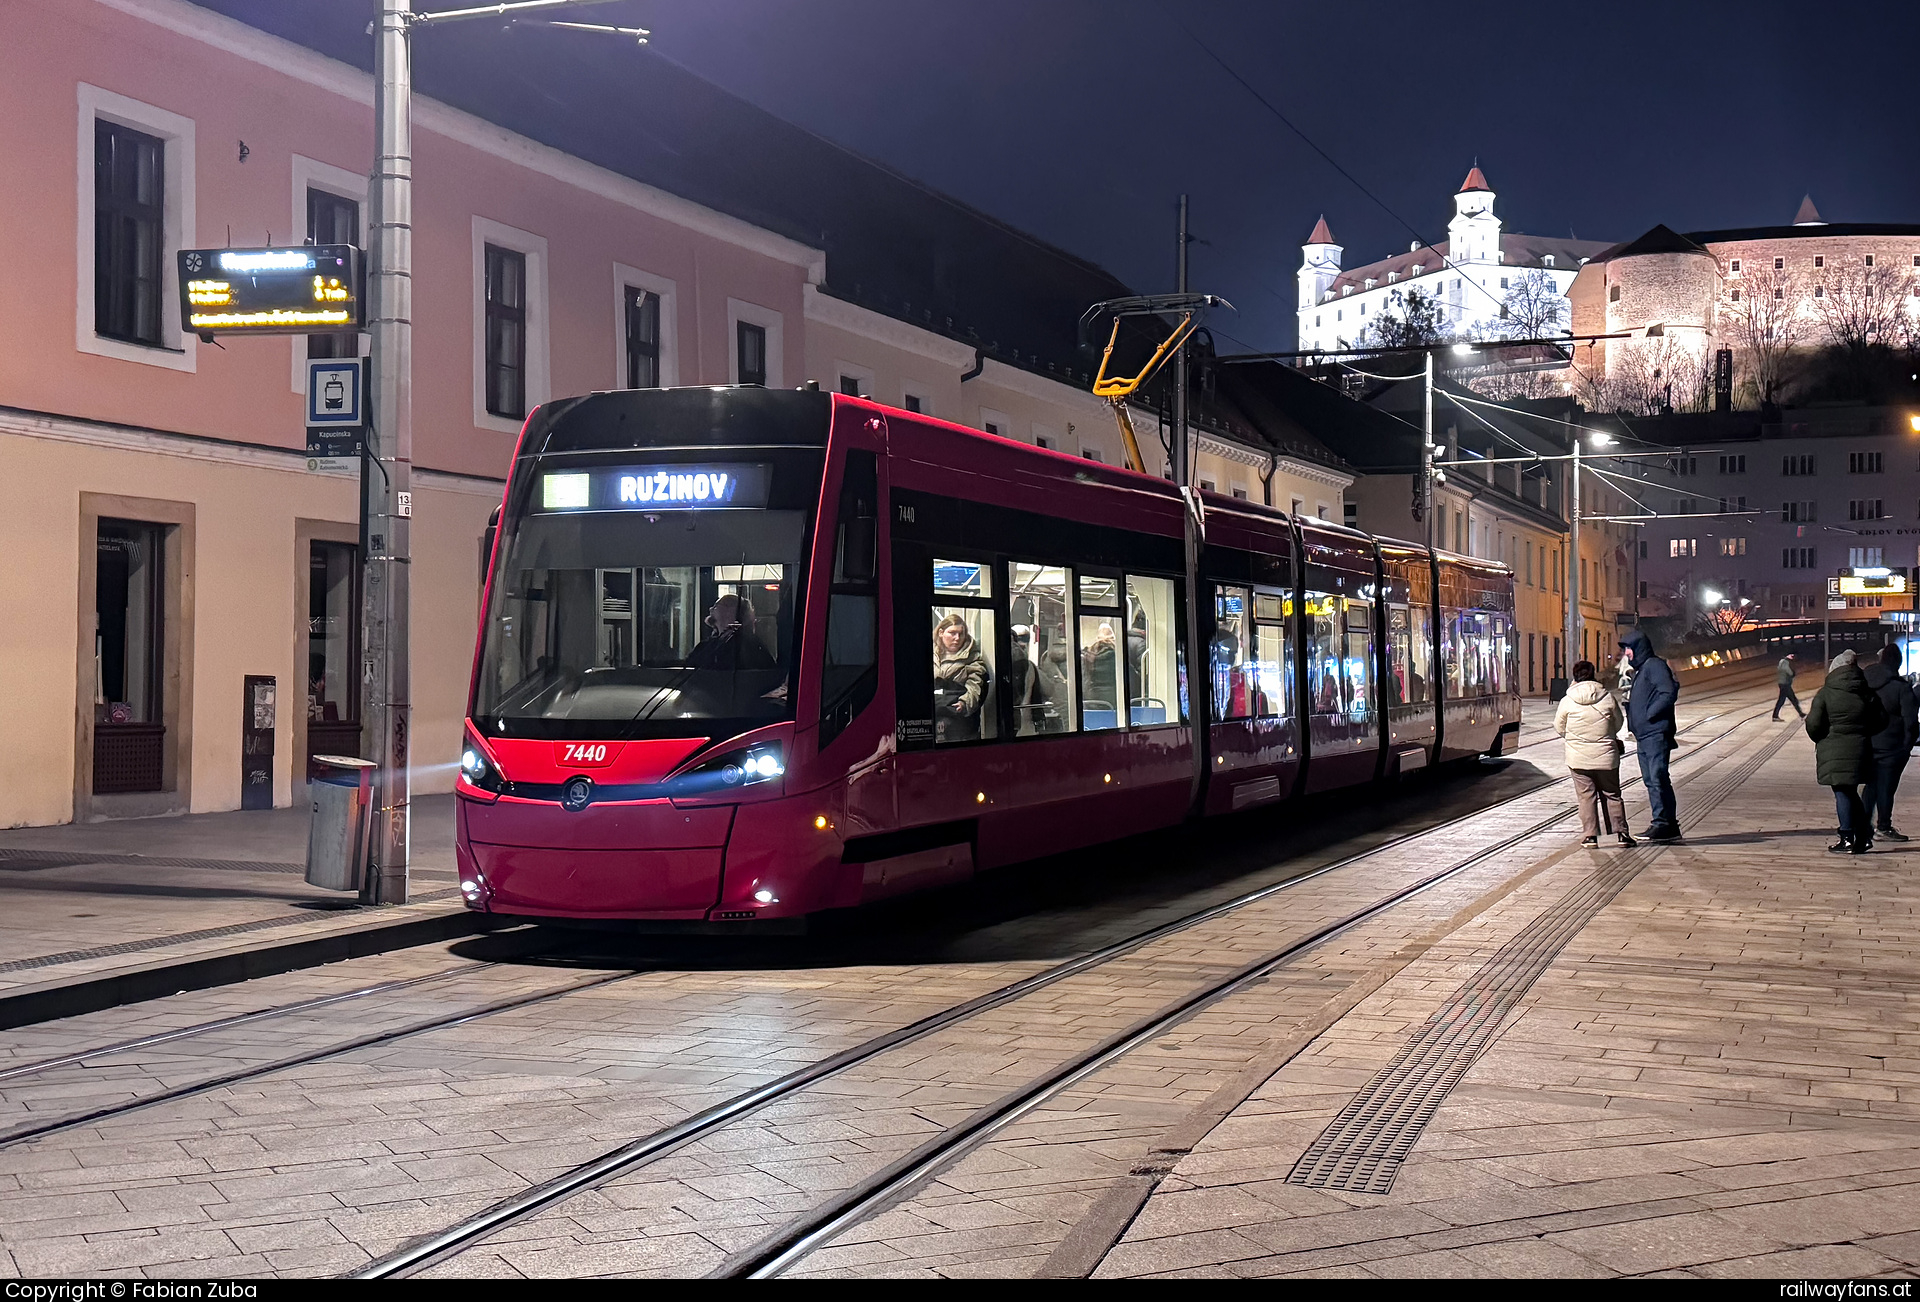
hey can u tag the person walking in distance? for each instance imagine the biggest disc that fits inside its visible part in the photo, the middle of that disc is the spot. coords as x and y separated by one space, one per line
1893 743
1590 719
1784 676
1842 720
1650 703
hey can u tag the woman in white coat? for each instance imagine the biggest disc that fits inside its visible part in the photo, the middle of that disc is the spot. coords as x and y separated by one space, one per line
1590 719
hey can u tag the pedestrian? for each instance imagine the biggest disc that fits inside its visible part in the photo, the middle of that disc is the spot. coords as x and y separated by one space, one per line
1842 721
1893 743
1784 676
1590 719
1650 703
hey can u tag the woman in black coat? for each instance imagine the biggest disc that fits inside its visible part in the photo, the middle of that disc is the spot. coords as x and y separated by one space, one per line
1841 720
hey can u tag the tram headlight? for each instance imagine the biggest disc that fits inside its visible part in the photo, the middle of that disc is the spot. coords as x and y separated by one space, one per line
737 768
473 764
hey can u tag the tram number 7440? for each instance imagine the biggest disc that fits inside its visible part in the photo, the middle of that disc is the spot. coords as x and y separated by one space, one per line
584 753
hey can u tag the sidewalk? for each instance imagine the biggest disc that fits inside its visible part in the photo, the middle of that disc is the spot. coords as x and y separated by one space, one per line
82 901
1718 1075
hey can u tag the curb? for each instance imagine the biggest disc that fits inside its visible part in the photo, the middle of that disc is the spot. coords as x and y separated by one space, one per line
131 986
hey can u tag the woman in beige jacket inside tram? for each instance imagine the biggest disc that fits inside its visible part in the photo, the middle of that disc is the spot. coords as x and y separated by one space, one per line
1590 719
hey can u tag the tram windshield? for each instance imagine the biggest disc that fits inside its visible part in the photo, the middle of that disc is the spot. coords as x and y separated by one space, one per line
643 619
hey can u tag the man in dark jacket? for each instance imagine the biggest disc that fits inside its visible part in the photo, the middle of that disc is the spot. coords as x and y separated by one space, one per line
1783 678
1893 743
1650 705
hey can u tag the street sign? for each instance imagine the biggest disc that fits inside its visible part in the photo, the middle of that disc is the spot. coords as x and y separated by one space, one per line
303 290
334 391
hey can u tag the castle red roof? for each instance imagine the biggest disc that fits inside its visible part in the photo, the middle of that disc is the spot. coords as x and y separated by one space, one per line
1321 235
1475 181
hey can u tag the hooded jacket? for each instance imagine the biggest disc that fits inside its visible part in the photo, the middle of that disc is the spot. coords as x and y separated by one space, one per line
1589 718
1841 720
1783 673
1895 740
1655 690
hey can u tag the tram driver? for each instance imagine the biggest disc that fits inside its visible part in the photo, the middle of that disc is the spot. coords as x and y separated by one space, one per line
733 644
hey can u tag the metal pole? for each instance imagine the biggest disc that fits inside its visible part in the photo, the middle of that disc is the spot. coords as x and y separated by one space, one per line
1426 458
1574 625
1182 472
388 503
1826 625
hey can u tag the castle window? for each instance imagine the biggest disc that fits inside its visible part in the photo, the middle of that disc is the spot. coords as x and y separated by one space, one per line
1779 264
1371 282
1869 259
1392 276
1819 260
1345 290
1316 321
1736 296
1779 296
1363 309
1819 291
1548 260
1735 269
1503 282
1613 294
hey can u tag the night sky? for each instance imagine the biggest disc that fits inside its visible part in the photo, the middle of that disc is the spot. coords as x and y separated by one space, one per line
1082 120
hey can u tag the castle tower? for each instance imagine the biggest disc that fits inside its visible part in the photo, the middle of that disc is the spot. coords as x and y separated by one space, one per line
1319 265
1474 233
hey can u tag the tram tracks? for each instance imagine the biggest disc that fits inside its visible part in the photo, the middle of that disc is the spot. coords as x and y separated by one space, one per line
780 1250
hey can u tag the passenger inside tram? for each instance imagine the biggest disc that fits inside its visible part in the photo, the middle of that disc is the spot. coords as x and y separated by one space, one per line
960 680
1100 666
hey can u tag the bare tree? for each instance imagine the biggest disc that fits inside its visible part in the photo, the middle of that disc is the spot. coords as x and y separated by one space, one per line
1533 308
1858 306
1410 320
1764 319
1651 376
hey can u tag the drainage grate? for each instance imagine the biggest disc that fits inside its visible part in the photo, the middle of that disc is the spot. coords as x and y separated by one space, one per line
1362 1148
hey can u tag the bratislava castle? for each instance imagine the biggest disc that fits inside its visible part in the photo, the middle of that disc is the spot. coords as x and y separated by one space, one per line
1469 274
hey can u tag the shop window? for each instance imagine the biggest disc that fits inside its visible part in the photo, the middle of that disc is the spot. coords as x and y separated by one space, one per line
333 657
963 652
1227 654
128 732
1040 675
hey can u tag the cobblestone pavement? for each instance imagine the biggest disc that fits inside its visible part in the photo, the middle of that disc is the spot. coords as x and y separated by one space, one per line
320 1168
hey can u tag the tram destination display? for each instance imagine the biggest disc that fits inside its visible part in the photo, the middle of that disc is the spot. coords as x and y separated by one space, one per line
302 290
687 486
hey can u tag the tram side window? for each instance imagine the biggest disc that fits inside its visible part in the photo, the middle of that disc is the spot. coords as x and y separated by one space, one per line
1107 645
1156 670
1040 677
1419 655
963 641
1272 660
1457 652
1358 664
1227 653
1399 654
852 643
1323 652
1497 649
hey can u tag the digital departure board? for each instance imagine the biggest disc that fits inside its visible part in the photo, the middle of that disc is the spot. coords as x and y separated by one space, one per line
304 290
679 487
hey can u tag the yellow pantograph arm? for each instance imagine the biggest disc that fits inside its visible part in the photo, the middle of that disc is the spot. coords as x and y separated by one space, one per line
1120 386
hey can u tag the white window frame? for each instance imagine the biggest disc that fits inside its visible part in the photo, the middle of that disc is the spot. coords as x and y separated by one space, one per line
178 349
911 390
862 375
312 174
624 278
539 373
988 416
1047 432
767 319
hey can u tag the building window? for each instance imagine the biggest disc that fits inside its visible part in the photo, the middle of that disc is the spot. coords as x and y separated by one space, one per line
1732 504
1819 260
915 403
1819 291
1685 465
750 351
850 385
1799 558
1779 264
129 219
1797 513
332 219
1865 557
1735 269
1864 463
1869 259
1680 547
1547 260
129 685
1865 508
1643 550
1733 546
1801 464
1091 454
1734 465
506 327
643 338
1736 296
1779 296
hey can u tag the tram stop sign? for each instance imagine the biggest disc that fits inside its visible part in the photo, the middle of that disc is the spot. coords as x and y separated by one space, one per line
336 412
302 290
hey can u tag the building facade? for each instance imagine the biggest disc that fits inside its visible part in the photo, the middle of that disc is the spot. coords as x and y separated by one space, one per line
171 544
1485 281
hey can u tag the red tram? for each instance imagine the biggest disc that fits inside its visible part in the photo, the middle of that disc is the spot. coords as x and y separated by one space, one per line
753 654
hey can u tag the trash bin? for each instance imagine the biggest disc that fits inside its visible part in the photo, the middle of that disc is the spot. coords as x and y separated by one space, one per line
342 796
